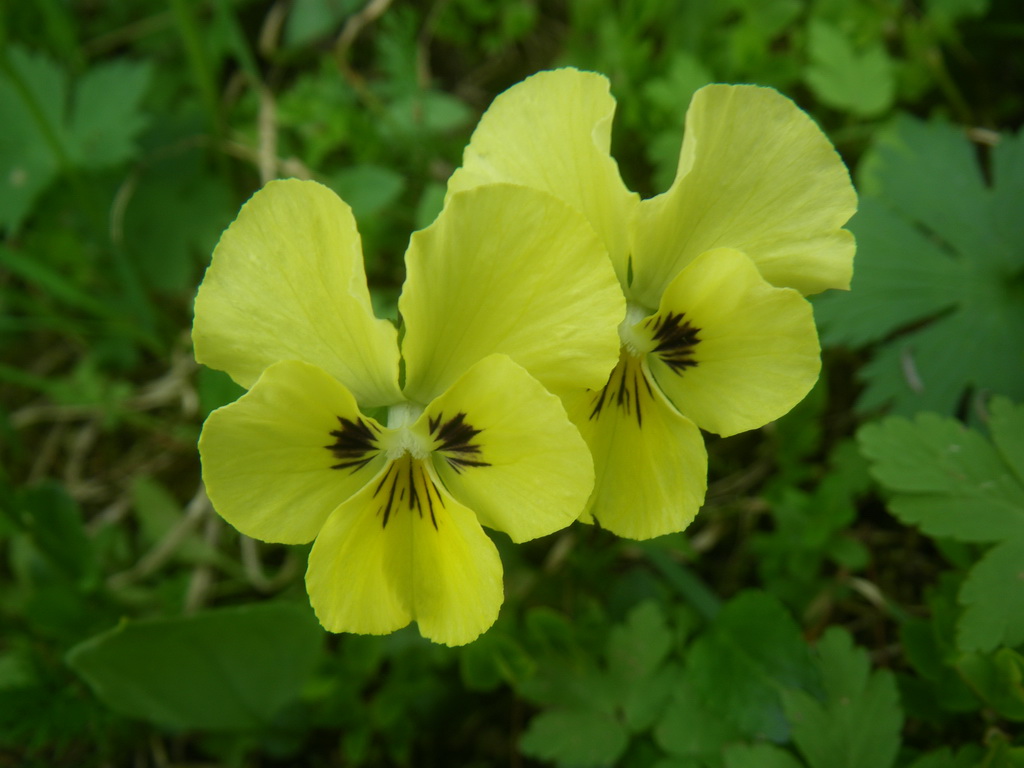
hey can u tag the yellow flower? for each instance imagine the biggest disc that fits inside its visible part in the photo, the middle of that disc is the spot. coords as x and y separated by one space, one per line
508 279
717 333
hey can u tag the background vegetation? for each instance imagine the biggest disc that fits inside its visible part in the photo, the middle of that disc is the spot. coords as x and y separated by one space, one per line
850 597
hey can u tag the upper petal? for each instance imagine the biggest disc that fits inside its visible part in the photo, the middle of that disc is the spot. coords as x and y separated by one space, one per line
287 283
506 449
402 550
755 174
553 132
512 270
733 352
650 462
278 460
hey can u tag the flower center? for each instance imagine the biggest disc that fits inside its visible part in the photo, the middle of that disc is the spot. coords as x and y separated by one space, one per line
628 388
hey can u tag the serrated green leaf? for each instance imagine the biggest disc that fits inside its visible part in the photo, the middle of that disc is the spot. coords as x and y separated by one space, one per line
106 117
940 265
739 666
858 723
228 669
993 596
759 756
585 739
949 479
860 82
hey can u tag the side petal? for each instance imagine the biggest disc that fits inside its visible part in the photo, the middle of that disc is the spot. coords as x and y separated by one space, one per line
287 283
748 352
511 270
505 448
755 174
434 566
278 460
650 462
553 132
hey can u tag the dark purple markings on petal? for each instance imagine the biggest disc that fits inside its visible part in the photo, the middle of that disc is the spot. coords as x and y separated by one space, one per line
406 484
627 388
676 340
355 444
456 441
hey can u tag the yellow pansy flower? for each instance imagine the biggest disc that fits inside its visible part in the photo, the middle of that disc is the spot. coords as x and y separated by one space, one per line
718 335
507 280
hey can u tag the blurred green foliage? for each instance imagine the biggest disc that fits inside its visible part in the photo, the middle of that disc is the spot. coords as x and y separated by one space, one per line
847 598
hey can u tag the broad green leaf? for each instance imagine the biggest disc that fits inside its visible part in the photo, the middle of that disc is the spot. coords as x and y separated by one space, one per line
759 756
940 265
993 596
860 82
948 479
227 669
575 738
997 678
750 654
1001 753
857 724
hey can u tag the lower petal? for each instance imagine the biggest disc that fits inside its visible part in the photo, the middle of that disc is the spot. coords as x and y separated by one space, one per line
650 461
403 550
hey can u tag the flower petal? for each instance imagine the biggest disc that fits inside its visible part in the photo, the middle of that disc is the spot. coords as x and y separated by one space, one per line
755 174
756 353
553 132
430 562
506 449
287 283
268 457
650 462
511 270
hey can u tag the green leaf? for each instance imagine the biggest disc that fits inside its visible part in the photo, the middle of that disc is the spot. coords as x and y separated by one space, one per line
637 646
997 678
862 83
752 652
858 723
759 756
1007 428
227 669
691 729
949 480
27 161
575 737
993 596
940 265
368 189
106 117
1001 754
493 659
